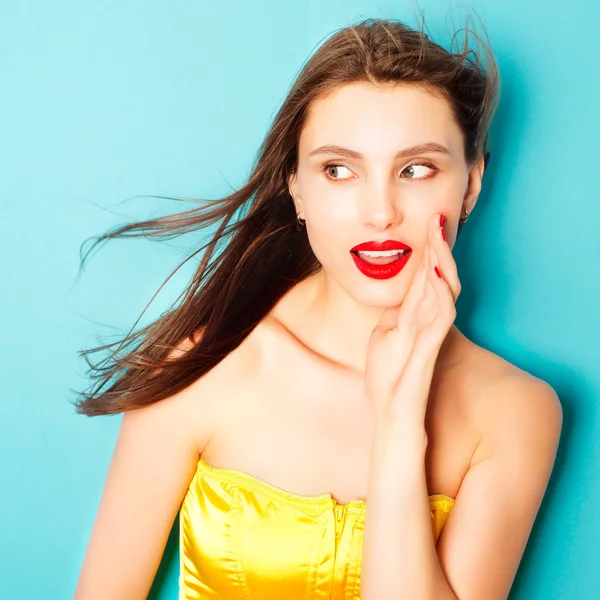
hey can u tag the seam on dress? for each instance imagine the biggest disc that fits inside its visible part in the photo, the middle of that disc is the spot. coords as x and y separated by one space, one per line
312 574
356 561
234 541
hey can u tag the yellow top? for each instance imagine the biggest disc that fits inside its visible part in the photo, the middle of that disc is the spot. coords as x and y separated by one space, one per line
241 537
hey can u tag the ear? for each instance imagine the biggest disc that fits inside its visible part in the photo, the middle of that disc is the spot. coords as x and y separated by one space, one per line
474 185
293 189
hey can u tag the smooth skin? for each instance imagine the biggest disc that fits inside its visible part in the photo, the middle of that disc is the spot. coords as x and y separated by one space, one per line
153 462
397 517
289 404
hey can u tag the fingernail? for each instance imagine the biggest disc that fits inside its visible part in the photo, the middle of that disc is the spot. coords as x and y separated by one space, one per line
442 221
437 272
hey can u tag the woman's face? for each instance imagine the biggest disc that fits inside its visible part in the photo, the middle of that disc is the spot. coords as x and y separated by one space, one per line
375 190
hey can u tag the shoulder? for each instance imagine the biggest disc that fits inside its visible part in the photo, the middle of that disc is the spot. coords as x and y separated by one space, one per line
513 409
180 416
237 365
214 394
517 419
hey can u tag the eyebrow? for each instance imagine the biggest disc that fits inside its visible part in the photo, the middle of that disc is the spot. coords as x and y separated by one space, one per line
418 149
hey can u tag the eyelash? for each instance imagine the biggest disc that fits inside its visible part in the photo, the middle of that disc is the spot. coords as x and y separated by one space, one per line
420 163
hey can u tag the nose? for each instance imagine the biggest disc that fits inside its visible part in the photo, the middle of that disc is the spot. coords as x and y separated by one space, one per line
380 205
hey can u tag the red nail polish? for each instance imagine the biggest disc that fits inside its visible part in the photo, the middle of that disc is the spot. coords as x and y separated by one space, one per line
437 272
442 220
443 235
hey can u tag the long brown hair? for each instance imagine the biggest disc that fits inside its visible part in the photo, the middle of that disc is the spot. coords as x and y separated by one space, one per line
256 257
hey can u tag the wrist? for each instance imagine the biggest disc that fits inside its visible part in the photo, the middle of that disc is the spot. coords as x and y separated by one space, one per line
394 420
408 432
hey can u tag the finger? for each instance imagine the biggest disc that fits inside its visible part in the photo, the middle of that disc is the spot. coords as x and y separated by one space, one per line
446 305
393 316
416 291
428 305
445 260
388 319
442 256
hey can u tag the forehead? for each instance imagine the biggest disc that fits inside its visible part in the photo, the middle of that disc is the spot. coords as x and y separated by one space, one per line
380 119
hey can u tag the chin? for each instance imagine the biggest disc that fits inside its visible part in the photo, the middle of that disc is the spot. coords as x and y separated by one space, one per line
382 296
376 293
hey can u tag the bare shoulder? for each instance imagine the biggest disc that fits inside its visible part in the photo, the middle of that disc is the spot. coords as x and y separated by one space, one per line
183 412
154 459
211 397
517 418
510 405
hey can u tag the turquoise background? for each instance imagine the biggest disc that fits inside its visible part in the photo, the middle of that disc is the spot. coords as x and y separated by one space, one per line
108 100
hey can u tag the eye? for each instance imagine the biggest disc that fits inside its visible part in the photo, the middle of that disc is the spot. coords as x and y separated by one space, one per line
413 171
332 170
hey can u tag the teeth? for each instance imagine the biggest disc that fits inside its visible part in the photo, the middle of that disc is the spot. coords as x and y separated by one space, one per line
382 253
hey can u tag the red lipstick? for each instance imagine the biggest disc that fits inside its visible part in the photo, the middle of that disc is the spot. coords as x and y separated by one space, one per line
381 271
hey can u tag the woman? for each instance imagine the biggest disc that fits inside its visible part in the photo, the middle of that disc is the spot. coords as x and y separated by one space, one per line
313 367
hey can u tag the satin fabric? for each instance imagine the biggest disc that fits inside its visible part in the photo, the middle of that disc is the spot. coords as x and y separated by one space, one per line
241 537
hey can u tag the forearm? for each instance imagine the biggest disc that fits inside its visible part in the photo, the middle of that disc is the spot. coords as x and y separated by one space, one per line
399 558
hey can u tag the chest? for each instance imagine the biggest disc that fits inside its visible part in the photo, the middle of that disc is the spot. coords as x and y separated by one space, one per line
242 538
305 427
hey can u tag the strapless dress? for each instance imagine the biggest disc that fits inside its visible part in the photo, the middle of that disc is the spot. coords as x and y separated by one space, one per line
241 537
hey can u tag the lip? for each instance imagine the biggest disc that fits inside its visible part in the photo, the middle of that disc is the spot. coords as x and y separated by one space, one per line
381 246
380 271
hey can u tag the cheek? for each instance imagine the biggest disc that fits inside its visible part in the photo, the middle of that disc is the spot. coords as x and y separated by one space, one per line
328 234
430 196
329 227
329 214
445 198
330 210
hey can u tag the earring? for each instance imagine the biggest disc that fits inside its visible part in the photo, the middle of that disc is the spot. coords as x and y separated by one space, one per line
299 222
463 220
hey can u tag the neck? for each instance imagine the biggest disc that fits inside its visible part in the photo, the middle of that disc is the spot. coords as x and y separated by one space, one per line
336 328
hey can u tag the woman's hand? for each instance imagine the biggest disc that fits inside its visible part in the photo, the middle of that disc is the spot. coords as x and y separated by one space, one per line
404 346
